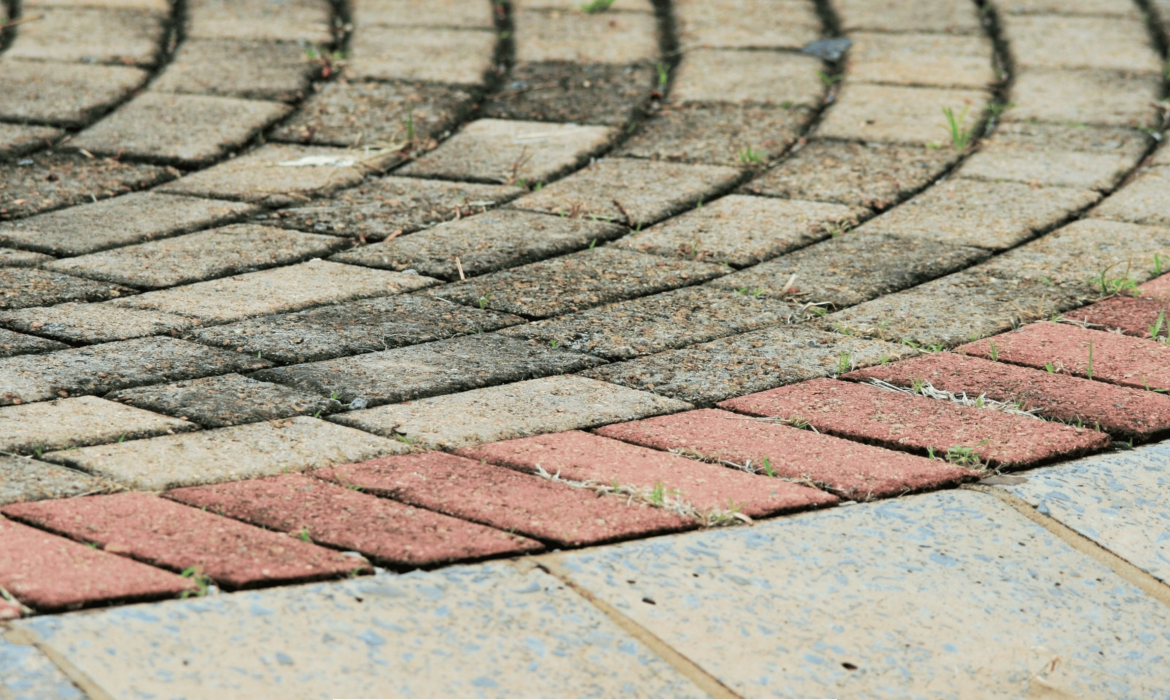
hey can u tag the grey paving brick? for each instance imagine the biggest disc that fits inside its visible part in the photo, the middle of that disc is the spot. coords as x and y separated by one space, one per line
219 402
577 281
1047 41
873 175
534 407
891 623
1142 201
483 243
257 70
498 150
908 16
605 37
188 130
455 56
735 24
419 371
659 322
350 329
63 94
743 230
647 191
350 114
284 289
199 256
90 35
103 368
434 13
581 93
45 181
76 422
25 479
393 205
93 323
155 6
896 114
1105 98
994 215
1104 8
18 139
742 364
937 60
227 454
21 287
853 268
12 344
768 77
133 218
22 258
292 20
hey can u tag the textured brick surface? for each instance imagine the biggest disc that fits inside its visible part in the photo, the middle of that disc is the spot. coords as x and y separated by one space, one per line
1130 315
22 258
1142 201
394 53
19 344
90 35
64 95
911 15
93 323
27 479
50 180
936 60
217 402
746 76
582 93
258 70
610 37
16 139
22 287
85 420
907 115
753 24
1084 97
1057 42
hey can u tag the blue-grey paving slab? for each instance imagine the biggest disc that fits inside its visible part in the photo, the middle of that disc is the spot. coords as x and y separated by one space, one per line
27 674
473 631
947 595
1121 501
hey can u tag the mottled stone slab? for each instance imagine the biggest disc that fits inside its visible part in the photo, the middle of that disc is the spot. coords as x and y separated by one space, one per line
103 368
255 70
1047 41
90 35
353 328
284 289
49 180
735 24
1142 201
457 56
18 139
22 287
65 95
27 479
896 114
227 454
93 323
605 37
290 21
929 60
22 258
133 218
219 402
25 669
581 93
77 422
713 75
483 243
200 256
908 16
418 371
12 344
1104 98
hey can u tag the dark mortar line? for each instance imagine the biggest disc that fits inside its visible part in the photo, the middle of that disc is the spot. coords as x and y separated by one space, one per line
12 10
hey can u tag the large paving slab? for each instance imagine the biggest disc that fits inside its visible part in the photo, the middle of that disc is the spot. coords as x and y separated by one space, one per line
581 93
933 60
27 479
12 344
62 94
608 37
713 75
22 287
742 25
1106 98
76 322
393 635
76 422
90 35
546 405
50 180
28 673
103 368
461 57
227 454
896 114
770 611
257 70
219 402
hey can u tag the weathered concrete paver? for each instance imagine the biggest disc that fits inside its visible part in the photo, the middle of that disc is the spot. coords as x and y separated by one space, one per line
257 70
25 672
93 323
908 16
579 93
18 139
12 344
460 57
219 402
76 422
50 180
733 24
291 21
64 95
22 258
90 35
768 77
610 37
438 13
1053 42
1130 315
895 114
1142 201
22 287
1106 98
935 60
27 479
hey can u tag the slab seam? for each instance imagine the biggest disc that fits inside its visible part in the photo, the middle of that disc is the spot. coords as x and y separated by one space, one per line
75 675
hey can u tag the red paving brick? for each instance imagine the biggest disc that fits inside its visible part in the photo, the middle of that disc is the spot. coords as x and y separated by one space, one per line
1157 287
50 573
1134 316
899 421
847 468
584 456
387 531
1118 410
1117 358
176 537
506 499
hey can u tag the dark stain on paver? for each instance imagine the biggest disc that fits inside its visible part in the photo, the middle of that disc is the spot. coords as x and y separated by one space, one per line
47 181
719 133
259 70
27 479
582 93
23 287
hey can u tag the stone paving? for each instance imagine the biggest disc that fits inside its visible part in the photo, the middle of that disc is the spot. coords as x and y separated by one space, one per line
733 348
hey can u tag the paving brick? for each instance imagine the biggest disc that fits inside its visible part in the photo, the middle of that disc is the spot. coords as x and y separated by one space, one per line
483 243
1105 98
713 75
1130 315
63 94
1157 287
872 175
359 114
172 536
734 24
256 70
650 191
49 180
938 60
93 323
1086 157
103 368
393 205
710 372
605 37
90 35
293 20
284 289
435 13
27 479
1141 201
995 215
1104 8
659 322
282 174
21 287
133 218
848 469
1047 41
742 230
219 402
26 670
580 456
460 57
18 139
548 405
351 329
1116 410
22 258
507 499
442 367
50 573
387 531
76 422
889 113
911 16
155 6
199 256
581 93
187 130
227 454
578 281
1117 359
852 268
12 344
